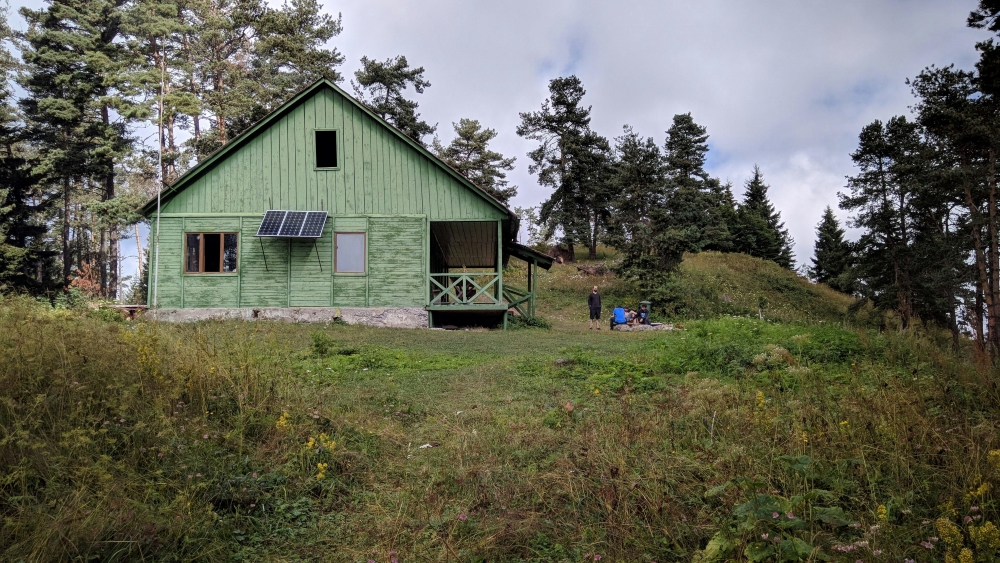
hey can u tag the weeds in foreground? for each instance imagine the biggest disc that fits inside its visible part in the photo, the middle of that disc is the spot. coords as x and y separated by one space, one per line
734 439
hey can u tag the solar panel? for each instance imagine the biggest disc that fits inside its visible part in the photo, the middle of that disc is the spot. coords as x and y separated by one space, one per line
313 227
293 224
271 224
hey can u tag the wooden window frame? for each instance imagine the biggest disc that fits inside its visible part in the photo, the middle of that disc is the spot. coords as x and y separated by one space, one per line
336 253
201 253
315 151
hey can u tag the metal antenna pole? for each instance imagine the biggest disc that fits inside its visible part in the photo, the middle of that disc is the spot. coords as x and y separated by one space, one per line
160 183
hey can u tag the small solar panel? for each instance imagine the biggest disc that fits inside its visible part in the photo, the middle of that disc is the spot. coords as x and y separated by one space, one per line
293 224
271 224
313 227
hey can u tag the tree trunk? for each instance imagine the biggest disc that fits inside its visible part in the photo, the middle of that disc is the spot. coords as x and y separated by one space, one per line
67 252
994 257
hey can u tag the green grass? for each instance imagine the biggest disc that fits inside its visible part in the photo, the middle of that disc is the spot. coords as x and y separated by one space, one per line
140 441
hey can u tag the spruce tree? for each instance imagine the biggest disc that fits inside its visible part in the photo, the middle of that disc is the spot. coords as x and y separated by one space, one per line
639 183
694 217
380 86
758 228
832 259
469 153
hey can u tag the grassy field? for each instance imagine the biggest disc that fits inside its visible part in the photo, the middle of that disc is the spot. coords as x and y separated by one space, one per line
815 438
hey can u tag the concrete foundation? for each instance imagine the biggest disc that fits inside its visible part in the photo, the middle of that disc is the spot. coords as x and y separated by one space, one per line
391 317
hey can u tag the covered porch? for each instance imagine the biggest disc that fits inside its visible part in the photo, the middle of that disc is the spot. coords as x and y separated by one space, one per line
466 282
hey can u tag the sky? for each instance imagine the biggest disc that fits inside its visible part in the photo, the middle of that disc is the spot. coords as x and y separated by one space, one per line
783 84
786 85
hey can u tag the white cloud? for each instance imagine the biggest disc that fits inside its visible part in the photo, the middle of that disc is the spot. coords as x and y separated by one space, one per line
787 85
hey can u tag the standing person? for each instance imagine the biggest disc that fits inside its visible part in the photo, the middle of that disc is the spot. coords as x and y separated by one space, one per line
594 302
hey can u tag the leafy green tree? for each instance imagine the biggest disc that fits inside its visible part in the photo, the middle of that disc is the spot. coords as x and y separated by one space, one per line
380 86
562 129
832 259
759 230
469 153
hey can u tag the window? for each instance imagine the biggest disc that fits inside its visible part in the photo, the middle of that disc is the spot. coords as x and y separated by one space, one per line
349 253
326 149
210 253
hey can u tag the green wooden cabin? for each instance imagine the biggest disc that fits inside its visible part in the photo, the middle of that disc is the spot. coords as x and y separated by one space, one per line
403 229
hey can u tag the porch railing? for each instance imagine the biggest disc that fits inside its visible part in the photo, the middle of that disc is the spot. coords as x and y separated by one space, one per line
472 288
520 300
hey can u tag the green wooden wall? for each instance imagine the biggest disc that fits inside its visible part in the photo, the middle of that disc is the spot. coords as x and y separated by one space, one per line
379 173
383 187
280 272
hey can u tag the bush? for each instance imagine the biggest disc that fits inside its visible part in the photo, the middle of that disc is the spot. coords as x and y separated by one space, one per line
517 322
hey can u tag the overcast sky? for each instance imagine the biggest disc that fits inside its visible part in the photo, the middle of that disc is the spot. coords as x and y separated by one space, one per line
786 85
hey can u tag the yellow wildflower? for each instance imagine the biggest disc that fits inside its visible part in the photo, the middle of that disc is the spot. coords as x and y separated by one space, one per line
883 512
597 391
994 458
805 437
283 423
321 467
844 423
965 556
979 492
986 536
949 532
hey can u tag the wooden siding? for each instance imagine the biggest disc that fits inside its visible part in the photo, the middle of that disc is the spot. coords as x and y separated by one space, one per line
397 261
281 272
263 268
379 173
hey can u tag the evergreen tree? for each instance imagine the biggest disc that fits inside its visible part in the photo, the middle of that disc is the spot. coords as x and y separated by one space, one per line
884 196
694 217
639 182
562 130
758 228
832 259
288 54
380 86
470 155
60 87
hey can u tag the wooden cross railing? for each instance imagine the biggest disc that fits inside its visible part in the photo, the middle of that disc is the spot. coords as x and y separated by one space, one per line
520 300
472 288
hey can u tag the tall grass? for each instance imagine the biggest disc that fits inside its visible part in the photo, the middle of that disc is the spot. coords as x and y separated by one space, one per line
263 442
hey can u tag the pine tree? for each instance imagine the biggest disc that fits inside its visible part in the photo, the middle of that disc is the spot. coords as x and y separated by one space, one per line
470 155
884 197
562 130
759 231
832 259
289 54
380 86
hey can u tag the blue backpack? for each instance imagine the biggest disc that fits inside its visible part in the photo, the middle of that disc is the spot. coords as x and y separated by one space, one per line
619 314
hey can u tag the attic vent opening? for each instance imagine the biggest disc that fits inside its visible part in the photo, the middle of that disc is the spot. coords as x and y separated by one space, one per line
326 149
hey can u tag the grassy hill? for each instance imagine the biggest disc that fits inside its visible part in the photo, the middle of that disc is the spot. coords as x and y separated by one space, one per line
733 439
709 284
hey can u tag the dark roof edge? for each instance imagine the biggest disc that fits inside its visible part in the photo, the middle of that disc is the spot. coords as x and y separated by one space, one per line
529 254
189 176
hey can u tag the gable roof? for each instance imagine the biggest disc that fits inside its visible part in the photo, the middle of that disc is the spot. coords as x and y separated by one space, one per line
220 154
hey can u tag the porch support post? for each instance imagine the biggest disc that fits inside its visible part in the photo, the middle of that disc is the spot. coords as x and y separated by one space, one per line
499 288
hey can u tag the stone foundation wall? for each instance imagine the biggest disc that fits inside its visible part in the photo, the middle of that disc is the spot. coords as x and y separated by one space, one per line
392 317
